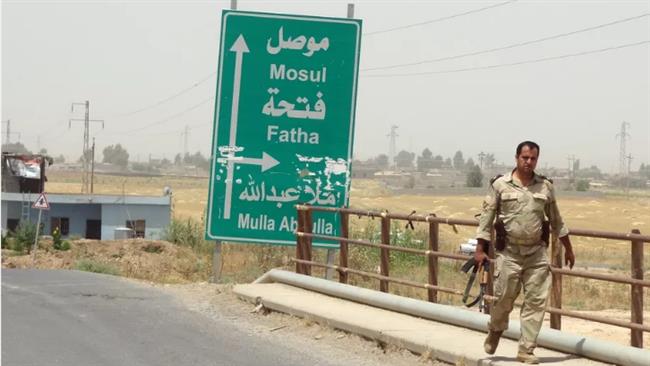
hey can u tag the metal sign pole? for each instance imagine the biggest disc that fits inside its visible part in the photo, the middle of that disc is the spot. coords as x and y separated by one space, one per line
217 260
331 253
38 226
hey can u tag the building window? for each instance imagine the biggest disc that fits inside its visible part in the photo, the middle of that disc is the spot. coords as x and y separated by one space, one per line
137 226
63 223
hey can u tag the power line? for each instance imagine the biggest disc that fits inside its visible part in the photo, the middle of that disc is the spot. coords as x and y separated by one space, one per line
183 91
176 131
513 63
166 119
519 44
440 19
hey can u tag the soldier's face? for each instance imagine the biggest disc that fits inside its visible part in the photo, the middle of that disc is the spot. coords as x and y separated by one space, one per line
527 160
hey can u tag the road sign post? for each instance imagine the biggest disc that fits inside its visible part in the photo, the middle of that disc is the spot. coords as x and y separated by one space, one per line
41 204
284 124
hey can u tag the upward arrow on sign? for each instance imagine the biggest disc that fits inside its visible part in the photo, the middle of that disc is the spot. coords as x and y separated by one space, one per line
239 48
267 161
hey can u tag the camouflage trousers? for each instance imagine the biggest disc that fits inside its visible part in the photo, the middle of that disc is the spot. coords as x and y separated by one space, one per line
520 267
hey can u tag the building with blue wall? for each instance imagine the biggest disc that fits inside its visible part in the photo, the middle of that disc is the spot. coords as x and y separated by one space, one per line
90 216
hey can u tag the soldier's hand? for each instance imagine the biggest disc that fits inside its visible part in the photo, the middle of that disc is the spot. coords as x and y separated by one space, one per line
480 257
569 258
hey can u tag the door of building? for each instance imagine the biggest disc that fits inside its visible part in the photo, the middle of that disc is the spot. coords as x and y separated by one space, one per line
93 229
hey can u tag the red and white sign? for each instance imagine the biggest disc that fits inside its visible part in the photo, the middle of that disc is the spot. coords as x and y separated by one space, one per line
41 202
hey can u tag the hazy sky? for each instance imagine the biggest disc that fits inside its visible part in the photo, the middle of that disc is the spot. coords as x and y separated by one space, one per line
125 57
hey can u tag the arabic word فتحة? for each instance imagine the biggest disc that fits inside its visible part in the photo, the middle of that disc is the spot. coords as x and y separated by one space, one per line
284 107
298 43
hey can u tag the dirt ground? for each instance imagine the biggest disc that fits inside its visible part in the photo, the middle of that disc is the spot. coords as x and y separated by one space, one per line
152 260
218 302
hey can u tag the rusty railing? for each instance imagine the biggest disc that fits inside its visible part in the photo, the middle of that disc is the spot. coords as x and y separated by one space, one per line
304 262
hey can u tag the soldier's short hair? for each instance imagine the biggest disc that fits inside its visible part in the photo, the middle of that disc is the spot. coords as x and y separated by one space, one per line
531 145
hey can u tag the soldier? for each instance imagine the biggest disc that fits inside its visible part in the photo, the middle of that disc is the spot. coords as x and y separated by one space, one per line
520 201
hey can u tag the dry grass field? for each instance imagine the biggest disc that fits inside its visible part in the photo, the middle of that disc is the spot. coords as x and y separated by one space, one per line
616 213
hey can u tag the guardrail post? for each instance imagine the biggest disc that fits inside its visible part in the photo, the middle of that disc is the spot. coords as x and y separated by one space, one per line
300 240
343 246
636 336
307 240
556 282
385 254
433 260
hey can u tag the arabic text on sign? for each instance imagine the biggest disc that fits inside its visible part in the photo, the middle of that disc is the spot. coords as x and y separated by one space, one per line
297 44
284 107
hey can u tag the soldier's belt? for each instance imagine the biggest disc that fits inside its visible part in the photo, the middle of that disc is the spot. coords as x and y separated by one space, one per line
523 242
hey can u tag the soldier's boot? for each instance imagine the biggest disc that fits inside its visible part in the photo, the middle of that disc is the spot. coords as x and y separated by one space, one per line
527 357
492 341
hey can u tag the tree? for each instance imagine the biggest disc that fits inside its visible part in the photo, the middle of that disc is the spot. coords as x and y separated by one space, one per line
438 161
425 161
470 164
59 159
644 171
582 185
459 161
42 151
591 172
116 154
15 147
474 177
178 159
489 160
381 161
200 161
404 159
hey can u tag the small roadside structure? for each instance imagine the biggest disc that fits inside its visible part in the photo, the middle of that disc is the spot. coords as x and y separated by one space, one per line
91 216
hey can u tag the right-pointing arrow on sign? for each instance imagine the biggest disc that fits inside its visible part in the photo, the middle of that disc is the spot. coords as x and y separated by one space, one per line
266 162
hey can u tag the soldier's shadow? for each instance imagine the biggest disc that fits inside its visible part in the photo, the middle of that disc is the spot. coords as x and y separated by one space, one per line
489 360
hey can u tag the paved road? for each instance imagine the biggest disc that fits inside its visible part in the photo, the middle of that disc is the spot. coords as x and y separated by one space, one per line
72 318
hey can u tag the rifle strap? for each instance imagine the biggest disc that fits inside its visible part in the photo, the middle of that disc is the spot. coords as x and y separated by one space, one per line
471 264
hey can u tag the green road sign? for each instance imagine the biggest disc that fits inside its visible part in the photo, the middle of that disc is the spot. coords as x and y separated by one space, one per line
284 124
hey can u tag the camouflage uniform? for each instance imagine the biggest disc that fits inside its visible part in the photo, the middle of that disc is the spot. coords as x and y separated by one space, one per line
524 261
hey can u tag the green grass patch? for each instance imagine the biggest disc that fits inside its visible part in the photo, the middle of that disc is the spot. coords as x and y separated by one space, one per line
96 267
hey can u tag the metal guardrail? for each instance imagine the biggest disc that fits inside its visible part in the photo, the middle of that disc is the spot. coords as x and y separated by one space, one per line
304 262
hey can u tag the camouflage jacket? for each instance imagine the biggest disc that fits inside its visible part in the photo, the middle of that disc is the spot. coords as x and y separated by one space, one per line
523 209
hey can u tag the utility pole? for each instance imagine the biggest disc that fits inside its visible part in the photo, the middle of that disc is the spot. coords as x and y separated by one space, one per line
623 136
185 134
92 170
392 145
481 156
571 159
627 175
8 132
629 163
85 178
